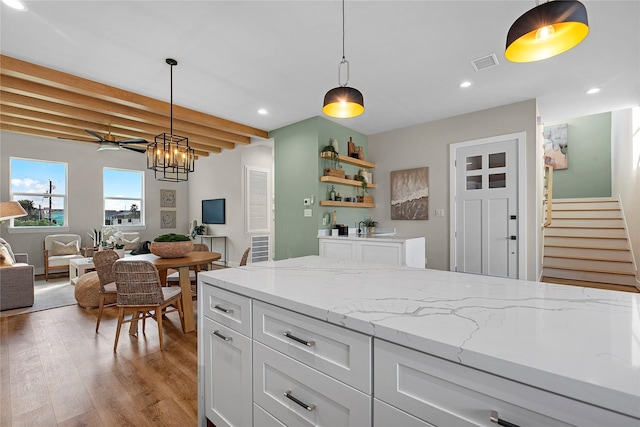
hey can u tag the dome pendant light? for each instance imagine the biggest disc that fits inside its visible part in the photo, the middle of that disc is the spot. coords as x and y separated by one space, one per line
343 102
547 30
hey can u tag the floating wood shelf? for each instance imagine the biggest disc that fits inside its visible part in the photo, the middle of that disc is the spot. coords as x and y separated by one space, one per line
343 181
347 204
350 160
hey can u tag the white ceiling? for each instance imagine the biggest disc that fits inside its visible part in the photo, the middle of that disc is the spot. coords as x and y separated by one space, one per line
407 57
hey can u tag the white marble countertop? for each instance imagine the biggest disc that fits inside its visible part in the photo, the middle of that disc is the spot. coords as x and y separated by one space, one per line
377 237
578 342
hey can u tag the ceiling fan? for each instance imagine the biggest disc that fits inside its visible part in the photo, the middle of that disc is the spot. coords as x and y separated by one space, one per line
109 142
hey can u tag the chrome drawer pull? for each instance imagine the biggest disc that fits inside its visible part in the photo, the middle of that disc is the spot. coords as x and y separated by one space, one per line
226 310
299 402
218 334
300 340
494 418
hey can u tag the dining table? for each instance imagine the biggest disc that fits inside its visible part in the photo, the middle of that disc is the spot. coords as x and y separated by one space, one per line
181 264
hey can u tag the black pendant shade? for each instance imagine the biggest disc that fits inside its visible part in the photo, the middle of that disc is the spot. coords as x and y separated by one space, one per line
343 102
547 30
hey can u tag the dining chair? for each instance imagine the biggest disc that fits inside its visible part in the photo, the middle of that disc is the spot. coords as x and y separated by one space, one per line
140 291
173 279
245 257
104 261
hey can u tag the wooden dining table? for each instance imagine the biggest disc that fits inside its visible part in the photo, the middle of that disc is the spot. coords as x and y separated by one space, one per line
181 264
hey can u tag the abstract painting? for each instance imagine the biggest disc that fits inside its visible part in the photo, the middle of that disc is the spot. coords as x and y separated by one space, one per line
556 145
410 194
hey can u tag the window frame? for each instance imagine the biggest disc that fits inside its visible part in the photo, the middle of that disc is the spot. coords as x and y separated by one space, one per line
65 196
141 204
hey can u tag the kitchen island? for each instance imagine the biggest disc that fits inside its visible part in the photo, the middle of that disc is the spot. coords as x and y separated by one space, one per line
317 341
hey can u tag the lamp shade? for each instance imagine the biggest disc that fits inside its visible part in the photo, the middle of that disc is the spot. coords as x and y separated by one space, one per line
9 210
547 30
343 102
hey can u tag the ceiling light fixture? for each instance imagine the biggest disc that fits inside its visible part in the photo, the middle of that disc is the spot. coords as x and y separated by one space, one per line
465 84
170 156
593 90
547 30
16 4
343 102
263 111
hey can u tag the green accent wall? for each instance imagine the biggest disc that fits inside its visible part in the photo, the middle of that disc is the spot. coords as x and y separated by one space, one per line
589 159
298 168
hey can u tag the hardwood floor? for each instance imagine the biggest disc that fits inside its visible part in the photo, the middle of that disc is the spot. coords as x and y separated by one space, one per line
56 371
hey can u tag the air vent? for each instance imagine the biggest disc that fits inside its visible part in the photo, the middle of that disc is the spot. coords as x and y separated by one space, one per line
485 62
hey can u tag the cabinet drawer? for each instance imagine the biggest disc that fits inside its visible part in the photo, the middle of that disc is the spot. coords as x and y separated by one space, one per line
262 418
386 415
227 372
444 393
321 400
338 352
232 310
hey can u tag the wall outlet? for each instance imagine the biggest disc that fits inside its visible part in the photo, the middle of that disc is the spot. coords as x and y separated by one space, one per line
307 202
439 212
308 212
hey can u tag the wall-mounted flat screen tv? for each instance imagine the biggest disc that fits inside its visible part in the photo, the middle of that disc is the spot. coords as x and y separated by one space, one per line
213 211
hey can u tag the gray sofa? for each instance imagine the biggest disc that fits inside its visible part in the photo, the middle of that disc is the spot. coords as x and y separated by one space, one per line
16 282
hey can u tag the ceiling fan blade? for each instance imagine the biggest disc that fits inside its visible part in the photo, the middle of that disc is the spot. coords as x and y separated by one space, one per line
133 141
96 134
76 139
136 149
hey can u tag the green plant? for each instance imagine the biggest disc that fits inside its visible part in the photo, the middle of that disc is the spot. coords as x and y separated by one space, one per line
332 157
172 237
368 222
200 229
363 183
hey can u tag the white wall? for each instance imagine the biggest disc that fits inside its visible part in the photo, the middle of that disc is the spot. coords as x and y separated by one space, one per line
84 189
222 176
428 145
625 170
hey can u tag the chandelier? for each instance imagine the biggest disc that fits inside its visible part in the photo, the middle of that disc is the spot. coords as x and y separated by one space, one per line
170 156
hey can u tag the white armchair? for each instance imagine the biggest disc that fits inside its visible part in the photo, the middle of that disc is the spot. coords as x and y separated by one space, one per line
59 249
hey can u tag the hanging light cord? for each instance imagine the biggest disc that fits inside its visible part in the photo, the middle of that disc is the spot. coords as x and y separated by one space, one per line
171 107
344 60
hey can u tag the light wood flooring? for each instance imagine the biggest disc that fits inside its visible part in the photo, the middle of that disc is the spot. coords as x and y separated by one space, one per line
56 371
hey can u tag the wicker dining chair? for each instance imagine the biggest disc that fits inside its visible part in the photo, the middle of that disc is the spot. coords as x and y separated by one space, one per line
173 279
104 261
140 291
245 257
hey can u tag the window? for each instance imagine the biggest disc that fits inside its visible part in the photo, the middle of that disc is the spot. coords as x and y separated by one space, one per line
123 201
41 188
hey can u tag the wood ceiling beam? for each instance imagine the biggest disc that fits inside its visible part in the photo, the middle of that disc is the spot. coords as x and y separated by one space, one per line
46 76
60 96
65 114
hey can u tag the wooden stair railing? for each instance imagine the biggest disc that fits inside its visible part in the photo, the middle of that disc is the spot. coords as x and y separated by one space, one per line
548 194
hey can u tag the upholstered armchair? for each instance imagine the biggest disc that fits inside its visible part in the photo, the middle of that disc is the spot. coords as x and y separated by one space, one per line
59 249
16 279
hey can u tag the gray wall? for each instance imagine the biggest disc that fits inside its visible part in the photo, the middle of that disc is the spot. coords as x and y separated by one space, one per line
428 145
84 189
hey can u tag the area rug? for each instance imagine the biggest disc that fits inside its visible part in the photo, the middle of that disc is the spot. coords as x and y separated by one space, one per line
52 294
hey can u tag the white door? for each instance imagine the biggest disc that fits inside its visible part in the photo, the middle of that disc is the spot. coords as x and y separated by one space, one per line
486 208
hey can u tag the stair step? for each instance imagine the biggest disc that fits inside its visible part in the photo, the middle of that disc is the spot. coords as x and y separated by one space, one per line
578 264
585 206
587 242
573 214
603 254
589 276
618 233
607 286
587 223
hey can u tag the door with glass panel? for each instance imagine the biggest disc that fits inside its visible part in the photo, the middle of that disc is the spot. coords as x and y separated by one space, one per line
486 209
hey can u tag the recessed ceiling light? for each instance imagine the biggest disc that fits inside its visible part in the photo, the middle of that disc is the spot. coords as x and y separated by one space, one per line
16 4
465 84
593 90
263 111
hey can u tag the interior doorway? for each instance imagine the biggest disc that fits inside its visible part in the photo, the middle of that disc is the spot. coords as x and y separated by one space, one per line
487 223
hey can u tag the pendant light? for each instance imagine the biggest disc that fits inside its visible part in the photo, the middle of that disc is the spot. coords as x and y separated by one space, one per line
343 101
170 156
547 30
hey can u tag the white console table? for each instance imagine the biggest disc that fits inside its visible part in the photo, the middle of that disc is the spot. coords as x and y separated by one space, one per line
315 341
211 237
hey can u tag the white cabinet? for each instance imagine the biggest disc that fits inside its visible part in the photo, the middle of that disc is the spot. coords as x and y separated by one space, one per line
389 251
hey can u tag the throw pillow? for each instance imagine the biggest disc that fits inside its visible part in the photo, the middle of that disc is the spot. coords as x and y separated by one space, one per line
59 248
7 246
5 258
132 244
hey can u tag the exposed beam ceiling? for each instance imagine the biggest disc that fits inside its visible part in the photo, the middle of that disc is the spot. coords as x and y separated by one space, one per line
40 101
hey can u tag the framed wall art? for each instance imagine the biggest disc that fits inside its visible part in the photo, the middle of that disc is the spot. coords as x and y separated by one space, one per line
410 194
167 219
556 145
167 198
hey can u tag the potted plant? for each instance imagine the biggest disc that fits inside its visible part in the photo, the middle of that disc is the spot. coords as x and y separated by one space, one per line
334 168
369 224
171 245
200 229
363 188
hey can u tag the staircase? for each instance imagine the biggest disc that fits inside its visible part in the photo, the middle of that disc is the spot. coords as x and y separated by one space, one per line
587 242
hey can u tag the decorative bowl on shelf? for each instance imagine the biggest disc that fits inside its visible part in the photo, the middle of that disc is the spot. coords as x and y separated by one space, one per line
171 249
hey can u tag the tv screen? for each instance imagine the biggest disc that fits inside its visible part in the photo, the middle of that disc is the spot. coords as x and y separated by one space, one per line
213 211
